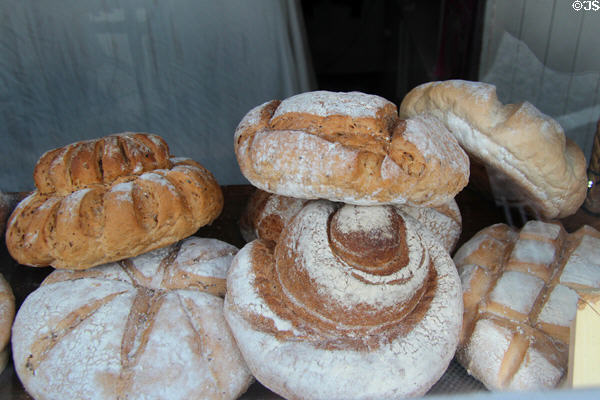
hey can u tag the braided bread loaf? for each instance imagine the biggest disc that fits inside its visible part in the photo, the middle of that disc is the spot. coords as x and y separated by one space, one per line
108 199
352 303
349 147
146 327
520 296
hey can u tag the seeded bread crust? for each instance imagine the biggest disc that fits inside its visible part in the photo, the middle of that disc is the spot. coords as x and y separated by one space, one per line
349 147
96 219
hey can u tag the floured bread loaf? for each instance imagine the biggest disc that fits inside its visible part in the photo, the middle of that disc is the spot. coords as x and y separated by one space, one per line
266 215
7 314
8 202
519 290
349 147
519 145
149 327
352 303
109 199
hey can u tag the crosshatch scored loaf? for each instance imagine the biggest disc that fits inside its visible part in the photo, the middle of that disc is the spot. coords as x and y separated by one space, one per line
349 147
520 297
108 199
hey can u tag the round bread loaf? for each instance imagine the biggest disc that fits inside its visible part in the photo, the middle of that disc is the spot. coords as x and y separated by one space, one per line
109 199
520 297
150 327
7 314
266 215
349 147
524 150
352 303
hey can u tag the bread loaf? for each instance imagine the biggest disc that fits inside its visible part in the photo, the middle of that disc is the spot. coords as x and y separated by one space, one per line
8 202
526 151
520 296
87 211
150 327
7 314
349 147
352 302
266 215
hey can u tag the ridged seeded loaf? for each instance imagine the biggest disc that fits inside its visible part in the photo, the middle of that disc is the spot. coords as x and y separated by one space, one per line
353 302
109 199
349 147
149 327
520 297
523 150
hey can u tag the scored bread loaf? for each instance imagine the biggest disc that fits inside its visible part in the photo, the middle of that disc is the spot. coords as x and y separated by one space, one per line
266 215
108 199
149 327
520 297
349 147
353 302
526 151
7 314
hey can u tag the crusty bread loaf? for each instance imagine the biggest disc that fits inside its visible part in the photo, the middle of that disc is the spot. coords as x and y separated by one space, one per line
524 150
146 327
353 302
82 217
520 296
266 215
349 147
7 314
8 202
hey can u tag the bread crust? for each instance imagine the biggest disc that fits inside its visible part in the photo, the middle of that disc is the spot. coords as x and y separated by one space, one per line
547 171
267 214
519 292
349 294
120 218
7 315
146 327
349 147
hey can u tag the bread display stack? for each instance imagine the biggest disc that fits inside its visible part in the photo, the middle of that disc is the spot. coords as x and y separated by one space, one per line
350 297
134 309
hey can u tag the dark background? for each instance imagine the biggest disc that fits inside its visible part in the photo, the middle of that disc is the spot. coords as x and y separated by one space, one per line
388 47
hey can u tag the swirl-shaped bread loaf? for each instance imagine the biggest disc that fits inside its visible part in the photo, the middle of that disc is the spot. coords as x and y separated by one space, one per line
524 148
97 213
520 297
7 314
150 327
266 215
352 303
349 147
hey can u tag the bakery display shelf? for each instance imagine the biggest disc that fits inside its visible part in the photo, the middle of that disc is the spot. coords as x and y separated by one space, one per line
477 212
